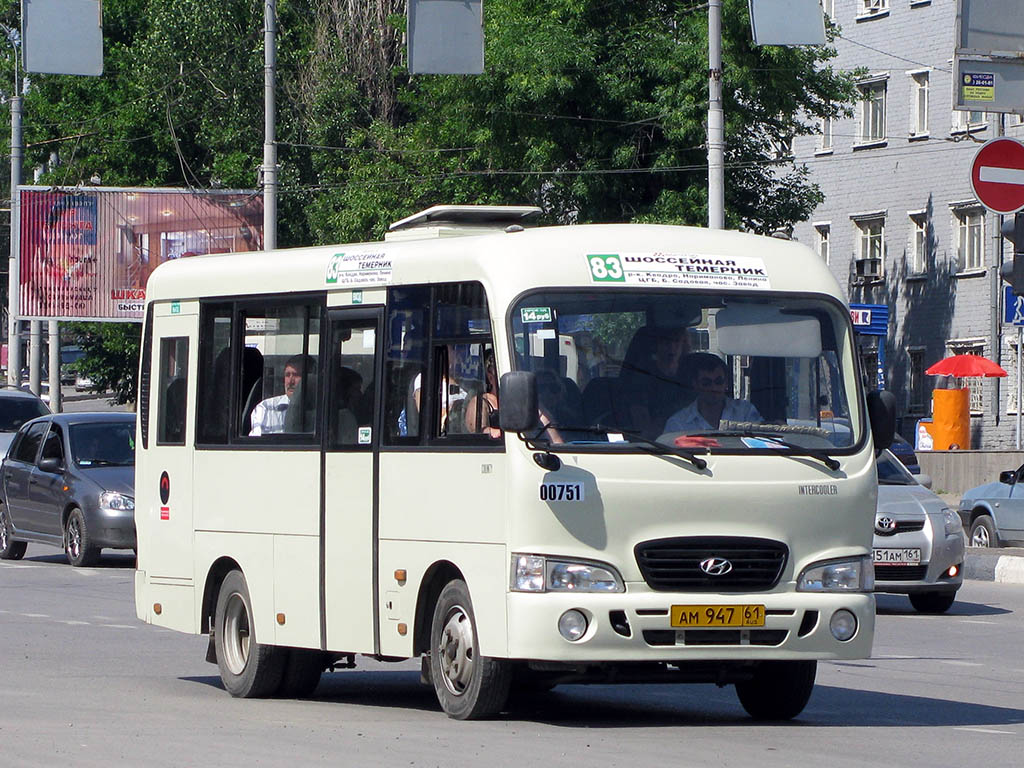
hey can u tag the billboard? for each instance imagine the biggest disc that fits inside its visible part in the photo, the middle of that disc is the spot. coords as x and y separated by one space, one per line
85 254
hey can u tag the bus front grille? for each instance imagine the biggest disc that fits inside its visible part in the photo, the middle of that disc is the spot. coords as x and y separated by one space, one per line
711 563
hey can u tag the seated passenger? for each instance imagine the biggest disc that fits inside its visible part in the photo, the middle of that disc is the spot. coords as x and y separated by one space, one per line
269 414
709 376
654 378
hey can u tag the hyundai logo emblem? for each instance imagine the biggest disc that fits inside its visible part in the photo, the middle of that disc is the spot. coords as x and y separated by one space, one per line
885 524
715 566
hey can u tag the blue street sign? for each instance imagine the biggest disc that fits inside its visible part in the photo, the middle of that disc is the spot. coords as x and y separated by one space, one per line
1013 307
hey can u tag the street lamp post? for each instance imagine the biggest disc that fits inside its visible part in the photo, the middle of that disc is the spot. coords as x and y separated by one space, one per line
13 278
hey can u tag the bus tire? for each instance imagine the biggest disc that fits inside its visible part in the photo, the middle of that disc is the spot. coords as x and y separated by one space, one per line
9 548
779 690
301 673
468 685
78 546
248 669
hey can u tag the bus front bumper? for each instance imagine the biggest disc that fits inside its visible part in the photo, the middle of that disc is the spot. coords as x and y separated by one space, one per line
627 627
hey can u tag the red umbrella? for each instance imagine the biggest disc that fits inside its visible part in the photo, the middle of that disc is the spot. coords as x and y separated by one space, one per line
962 366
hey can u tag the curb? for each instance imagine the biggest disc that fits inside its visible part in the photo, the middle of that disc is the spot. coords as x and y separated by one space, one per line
987 565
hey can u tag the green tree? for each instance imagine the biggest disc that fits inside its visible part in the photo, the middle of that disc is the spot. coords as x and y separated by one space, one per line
111 358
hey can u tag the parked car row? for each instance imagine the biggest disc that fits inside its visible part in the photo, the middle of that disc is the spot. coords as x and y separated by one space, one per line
993 513
68 481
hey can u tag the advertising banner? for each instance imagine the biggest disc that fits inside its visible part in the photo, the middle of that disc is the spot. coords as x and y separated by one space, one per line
85 254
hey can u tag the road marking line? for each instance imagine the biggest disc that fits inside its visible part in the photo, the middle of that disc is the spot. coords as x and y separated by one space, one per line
976 621
35 615
1001 175
118 626
962 663
74 623
987 730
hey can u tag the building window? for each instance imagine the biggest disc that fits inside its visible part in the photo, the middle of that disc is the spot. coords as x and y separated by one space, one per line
872 248
829 6
970 239
825 126
918 243
968 121
916 400
872 112
973 384
823 231
873 7
919 111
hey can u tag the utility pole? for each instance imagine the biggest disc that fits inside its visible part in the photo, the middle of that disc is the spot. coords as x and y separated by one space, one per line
13 272
716 120
269 116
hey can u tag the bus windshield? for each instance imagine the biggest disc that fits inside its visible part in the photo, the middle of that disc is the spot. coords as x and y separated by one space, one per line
722 372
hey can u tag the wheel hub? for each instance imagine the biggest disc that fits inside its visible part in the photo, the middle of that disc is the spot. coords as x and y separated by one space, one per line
980 537
74 537
3 529
457 651
236 634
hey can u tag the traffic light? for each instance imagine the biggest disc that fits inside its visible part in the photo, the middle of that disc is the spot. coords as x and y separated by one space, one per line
1013 271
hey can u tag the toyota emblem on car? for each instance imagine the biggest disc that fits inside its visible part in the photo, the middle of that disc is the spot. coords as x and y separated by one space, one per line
715 566
885 524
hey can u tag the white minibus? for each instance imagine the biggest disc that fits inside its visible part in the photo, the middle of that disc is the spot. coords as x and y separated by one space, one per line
529 456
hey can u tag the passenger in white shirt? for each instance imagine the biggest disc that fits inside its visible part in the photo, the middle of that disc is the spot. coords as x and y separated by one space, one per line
709 376
268 415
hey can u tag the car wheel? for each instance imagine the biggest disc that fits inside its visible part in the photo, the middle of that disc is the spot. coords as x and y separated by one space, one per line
779 690
983 533
9 548
78 545
302 673
932 602
468 685
248 669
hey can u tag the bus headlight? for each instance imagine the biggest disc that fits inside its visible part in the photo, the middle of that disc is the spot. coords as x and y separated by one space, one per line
855 575
537 573
116 502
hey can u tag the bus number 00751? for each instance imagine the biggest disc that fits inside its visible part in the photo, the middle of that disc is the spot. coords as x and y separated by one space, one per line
561 492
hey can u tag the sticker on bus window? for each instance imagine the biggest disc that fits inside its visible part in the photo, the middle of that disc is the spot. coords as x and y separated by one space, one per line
535 314
364 436
688 270
561 491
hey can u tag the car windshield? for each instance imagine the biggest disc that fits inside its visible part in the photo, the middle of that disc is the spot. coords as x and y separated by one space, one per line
103 444
700 372
15 411
891 470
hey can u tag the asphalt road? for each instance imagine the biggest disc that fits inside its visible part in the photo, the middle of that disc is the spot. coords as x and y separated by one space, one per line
82 682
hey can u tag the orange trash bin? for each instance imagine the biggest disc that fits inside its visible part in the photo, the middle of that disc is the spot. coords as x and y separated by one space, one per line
951 419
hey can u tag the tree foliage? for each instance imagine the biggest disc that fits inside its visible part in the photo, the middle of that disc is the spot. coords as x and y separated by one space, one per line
111 359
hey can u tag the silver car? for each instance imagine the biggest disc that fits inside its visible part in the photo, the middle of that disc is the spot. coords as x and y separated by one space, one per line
993 513
919 541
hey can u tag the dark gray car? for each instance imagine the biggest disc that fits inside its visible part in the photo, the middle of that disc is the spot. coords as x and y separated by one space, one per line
69 481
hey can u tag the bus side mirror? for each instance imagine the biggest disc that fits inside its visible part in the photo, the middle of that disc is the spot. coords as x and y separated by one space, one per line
882 414
517 401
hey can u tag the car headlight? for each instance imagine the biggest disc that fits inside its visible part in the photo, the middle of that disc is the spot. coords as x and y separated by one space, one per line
537 573
952 521
855 575
117 502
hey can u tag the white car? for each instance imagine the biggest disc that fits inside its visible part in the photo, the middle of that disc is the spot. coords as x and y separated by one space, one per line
82 383
919 541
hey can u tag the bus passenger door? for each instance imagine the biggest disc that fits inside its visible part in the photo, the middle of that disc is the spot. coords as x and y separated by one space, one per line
163 510
349 514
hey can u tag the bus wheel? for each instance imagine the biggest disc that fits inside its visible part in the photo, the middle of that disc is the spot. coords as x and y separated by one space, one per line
467 684
302 673
9 548
247 668
779 690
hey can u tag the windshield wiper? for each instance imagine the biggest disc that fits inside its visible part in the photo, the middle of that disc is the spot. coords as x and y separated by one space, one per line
634 437
792 449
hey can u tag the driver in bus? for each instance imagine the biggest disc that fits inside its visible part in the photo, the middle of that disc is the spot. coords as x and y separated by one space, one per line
269 414
709 377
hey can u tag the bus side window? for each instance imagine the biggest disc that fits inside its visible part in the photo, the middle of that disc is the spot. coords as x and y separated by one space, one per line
214 391
405 362
173 387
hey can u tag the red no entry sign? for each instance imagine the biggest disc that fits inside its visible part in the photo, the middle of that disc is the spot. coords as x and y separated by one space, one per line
997 175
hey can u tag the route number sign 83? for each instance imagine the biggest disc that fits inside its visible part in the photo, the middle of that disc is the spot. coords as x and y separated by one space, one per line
606 268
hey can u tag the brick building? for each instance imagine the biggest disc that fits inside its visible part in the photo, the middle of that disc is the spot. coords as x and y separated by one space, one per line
900 226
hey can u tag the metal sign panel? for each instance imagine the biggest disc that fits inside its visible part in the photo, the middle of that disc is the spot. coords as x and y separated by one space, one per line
85 254
988 65
446 37
1013 307
787 22
62 37
870 319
